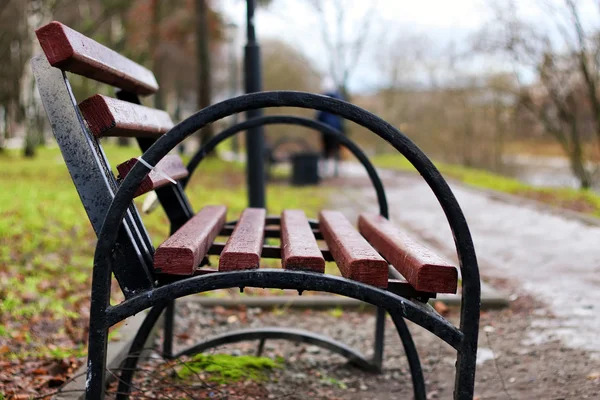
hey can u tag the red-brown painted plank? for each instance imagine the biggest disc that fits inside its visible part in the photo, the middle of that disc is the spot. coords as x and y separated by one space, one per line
299 248
71 51
107 116
354 256
184 250
244 246
171 165
422 268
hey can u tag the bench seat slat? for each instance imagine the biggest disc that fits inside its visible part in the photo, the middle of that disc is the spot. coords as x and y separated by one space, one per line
244 246
422 268
181 253
354 256
171 165
71 51
270 232
300 250
107 116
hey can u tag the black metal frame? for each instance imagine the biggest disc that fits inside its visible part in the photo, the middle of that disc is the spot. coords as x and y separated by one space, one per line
464 340
91 174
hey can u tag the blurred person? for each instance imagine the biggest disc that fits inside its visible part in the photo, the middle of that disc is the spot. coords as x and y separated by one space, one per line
330 145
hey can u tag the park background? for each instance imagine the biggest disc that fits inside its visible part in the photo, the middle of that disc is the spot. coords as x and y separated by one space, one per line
501 95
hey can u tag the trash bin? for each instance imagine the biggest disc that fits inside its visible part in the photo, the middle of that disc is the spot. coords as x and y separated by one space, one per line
305 168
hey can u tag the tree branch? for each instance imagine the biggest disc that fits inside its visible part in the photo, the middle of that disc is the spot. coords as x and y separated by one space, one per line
360 41
590 81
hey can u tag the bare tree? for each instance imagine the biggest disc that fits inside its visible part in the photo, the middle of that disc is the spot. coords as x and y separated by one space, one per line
286 68
564 98
344 48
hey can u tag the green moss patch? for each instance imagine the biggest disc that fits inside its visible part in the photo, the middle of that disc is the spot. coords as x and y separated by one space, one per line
225 368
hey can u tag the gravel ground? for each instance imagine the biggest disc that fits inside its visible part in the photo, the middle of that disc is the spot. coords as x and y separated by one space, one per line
511 366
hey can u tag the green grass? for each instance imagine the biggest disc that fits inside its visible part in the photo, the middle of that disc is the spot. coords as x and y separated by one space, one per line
47 244
584 201
225 368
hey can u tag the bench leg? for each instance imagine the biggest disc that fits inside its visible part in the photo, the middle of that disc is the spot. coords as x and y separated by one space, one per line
261 347
137 346
379 338
168 336
414 363
95 383
96 365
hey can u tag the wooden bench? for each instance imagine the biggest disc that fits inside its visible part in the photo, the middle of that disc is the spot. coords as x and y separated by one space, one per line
378 262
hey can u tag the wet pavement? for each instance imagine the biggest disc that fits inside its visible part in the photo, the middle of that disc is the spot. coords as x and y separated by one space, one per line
553 258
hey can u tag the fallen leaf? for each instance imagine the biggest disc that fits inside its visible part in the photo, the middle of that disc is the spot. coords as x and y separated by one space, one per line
220 310
594 376
40 371
441 308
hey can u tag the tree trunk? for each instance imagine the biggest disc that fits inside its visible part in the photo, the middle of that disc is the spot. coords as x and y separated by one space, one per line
203 64
177 113
467 134
576 157
30 141
499 133
4 132
159 102
580 172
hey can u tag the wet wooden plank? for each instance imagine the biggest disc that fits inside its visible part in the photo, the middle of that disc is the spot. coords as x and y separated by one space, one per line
422 268
107 116
71 51
268 251
270 232
171 165
244 246
354 256
182 253
299 247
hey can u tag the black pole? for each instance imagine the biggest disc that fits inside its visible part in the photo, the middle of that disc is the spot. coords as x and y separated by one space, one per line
233 77
255 143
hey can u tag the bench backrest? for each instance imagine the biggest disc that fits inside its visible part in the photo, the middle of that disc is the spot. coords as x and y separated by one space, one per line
78 129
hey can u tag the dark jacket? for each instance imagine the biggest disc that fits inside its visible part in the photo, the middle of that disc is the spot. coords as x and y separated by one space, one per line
331 119
330 144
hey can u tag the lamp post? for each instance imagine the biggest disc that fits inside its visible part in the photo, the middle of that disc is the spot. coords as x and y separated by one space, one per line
255 144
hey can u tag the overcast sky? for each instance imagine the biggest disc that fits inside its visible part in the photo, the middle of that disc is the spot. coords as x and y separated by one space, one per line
442 21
